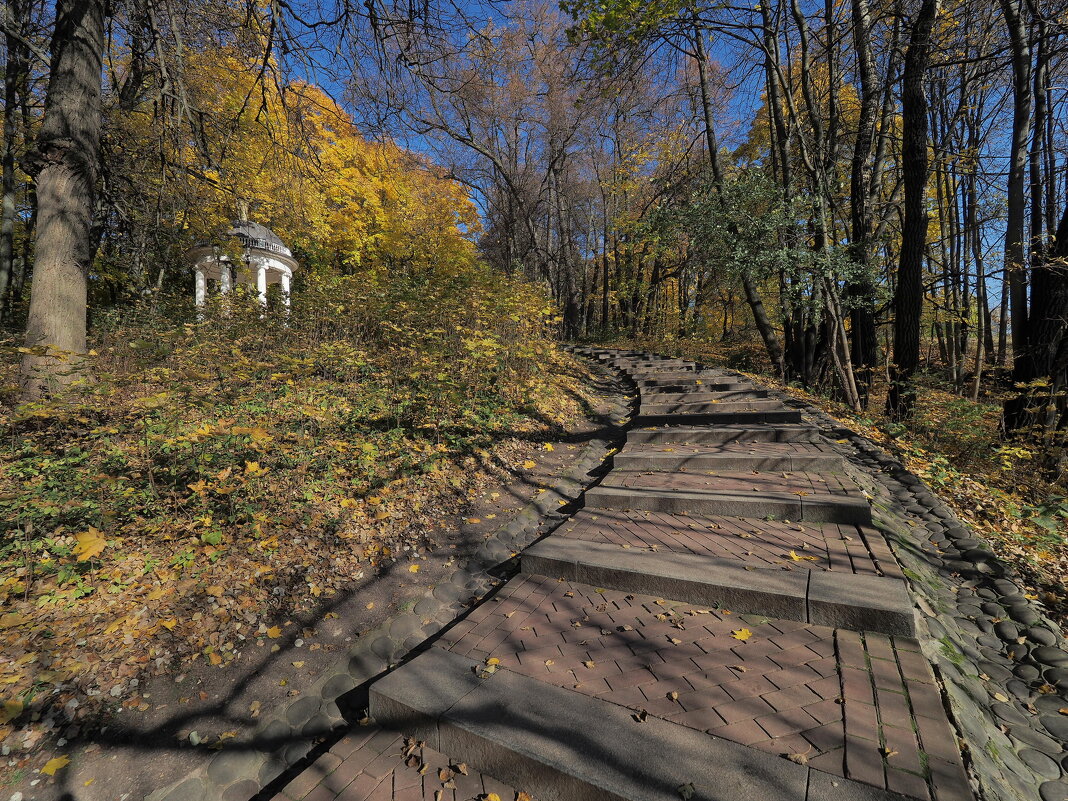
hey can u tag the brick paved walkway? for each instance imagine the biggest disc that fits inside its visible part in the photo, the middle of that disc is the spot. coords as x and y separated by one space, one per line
781 710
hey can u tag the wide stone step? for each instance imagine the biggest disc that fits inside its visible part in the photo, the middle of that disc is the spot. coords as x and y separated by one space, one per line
816 462
654 365
720 417
563 745
674 385
775 505
859 603
703 395
776 544
755 432
705 407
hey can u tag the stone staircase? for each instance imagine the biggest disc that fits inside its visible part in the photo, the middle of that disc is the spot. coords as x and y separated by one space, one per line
720 621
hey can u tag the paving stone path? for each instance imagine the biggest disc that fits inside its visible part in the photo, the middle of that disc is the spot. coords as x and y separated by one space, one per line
720 621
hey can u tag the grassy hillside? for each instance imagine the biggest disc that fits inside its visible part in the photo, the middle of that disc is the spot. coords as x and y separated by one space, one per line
207 478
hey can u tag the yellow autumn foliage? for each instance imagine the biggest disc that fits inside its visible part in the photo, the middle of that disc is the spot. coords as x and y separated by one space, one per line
291 155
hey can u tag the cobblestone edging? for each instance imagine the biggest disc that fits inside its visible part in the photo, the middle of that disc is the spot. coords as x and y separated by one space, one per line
993 649
286 737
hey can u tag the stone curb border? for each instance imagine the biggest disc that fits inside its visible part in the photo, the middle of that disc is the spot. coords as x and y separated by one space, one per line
239 772
992 647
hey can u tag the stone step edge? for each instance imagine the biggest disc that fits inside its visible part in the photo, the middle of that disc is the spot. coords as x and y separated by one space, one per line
699 394
718 418
820 597
670 462
712 406
677 386
561 745
724 434
782 505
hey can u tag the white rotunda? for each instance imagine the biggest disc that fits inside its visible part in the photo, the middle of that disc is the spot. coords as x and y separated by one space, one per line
264 259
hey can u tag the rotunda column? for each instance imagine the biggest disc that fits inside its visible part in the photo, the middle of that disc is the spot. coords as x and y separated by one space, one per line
200 293
285 292
261 283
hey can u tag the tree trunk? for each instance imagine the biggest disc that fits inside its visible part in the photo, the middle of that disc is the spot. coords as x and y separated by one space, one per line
908 294
861 291
752 292
66 163
1015 233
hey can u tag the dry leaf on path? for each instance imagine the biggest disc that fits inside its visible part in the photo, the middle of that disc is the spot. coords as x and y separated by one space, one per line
52 765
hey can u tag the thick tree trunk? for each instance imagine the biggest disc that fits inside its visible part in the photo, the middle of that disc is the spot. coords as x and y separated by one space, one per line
66 161
908 294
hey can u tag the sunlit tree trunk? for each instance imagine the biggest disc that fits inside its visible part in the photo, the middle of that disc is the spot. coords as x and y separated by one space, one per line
1016 202
66 160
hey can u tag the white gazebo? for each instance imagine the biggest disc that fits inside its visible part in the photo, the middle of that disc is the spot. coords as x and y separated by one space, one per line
264 259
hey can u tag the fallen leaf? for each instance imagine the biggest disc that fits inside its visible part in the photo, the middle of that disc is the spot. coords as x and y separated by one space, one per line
413 569
52 765
274 632
529 465
742 634
90 544
10 710
800 759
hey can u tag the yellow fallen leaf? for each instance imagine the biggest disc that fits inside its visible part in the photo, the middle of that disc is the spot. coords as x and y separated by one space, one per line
169 624
529 465
12 619
52 765
413 569
274 632
493 661
742 634
90 544
298 664
214 658
473 520
548 446
492 797
10 710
